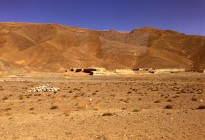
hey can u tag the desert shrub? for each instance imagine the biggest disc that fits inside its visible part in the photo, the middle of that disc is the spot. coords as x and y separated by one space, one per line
135 110
168 107
107 114
7 109
194 99
175 96
157 101
201 107
54 107
64 96
5 98
20 97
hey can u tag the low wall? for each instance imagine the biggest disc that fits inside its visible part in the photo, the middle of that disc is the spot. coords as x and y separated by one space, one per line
169 70
102 73
124 71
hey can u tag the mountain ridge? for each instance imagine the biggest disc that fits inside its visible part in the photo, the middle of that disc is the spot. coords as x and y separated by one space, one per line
54 47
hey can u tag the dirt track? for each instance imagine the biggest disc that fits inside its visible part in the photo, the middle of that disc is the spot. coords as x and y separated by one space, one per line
141 107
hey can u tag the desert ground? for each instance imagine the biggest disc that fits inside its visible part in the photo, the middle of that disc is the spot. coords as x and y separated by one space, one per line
135 107
115 107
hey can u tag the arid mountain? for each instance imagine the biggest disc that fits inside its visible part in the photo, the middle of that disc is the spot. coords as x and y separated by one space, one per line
52 47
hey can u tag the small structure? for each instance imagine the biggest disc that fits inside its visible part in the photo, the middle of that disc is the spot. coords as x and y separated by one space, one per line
76 69
89 70
103 71
168 70
194 70
95 73
96 69
99 71
124 71
145 69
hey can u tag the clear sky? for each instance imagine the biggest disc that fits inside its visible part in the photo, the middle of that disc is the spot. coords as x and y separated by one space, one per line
187 16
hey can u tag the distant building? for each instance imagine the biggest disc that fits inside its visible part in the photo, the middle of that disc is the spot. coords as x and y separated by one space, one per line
76 69
124 71
169 70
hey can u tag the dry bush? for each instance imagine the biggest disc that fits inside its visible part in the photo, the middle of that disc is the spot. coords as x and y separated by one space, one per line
5 98
82 105
31 108
107 114
168 107
201 107
135 110
194 99
67 112
176 96
54 107
20 97
7 109
157 101
96 107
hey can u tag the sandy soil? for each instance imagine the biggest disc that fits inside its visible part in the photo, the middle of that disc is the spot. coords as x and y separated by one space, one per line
169 106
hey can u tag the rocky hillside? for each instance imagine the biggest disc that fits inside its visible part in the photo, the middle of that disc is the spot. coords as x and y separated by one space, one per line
53 47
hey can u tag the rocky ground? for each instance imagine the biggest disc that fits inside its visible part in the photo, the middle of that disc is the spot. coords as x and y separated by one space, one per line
166 106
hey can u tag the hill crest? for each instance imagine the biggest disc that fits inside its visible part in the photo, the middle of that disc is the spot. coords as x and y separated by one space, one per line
54 47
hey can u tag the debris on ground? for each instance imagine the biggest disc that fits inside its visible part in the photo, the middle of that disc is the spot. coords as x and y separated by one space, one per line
44 88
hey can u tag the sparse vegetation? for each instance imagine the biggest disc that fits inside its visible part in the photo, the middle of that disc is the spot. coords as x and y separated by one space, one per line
5 98
157 101
64 96
201 107
124 105
54 107
194 99
37 94
168 107
135 110
7 109
176 96
20 97
107 114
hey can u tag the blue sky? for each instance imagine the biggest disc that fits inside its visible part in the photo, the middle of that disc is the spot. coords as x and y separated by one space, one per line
187 16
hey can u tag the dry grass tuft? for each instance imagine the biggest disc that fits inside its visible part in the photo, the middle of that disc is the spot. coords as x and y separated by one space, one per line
54 107
157 101
107 114
168 107
201 107
135 110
